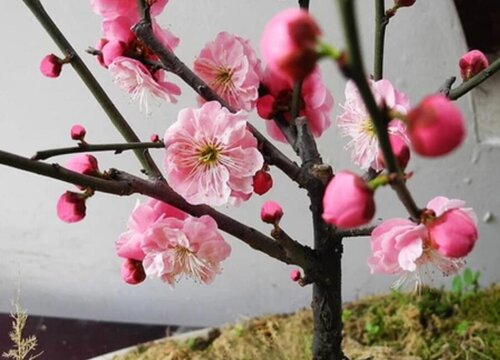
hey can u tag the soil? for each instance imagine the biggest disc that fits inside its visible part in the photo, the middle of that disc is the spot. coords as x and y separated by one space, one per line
431 325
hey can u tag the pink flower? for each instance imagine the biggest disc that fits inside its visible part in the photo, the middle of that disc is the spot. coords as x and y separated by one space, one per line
355 122
110 9
132 272
78 132
211 157
231 68
271 212
51 66
119 40
472 63
289 42
348 202
400 150
454 230
143 217
134 78
316 99
84 164
71 207
435 126
192 247
400 246
262 182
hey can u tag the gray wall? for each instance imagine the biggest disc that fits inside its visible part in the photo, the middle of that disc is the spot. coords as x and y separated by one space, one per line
72 271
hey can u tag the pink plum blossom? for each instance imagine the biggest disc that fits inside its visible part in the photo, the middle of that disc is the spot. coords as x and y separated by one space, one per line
51 66
140 221
230 67
192 247
288 44
435 126
78 132
355 122
400 246
271 212
132 272
71 207
111 9
348 201
262 182
472 63
134 78
211 156
454 230
85 164
316 99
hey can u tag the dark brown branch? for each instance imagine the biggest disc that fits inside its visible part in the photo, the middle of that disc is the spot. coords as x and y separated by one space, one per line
299 254
446 87
121 183
95 88
85 147
173 64
355 232
304 4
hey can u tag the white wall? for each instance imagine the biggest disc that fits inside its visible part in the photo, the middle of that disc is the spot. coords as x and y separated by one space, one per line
72 271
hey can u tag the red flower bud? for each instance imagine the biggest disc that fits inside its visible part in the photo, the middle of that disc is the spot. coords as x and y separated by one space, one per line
435 126
78 132
71 207
271 212
262 182
295 275
51 66
348 201
132 272
289 43
472 63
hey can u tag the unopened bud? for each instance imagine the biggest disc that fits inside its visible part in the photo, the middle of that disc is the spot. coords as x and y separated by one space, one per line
295 275
51 66
132 272
71 207
262 182
78 132
271 212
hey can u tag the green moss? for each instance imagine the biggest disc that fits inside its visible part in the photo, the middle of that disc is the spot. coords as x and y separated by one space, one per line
431 325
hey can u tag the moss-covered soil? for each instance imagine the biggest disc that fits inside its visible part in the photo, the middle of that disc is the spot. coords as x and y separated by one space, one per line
431 325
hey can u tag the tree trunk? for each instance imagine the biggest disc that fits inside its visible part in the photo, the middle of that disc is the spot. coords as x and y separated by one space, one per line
327 291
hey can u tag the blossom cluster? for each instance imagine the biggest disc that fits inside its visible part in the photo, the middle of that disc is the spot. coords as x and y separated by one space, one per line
211 156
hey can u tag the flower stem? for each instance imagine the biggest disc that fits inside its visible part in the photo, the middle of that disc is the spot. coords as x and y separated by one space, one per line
117 148
90 81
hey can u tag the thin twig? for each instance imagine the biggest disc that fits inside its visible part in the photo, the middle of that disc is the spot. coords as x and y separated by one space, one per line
468 85
120 183
304 4
90 81
85 147
355 232
381 21
379 117
445 88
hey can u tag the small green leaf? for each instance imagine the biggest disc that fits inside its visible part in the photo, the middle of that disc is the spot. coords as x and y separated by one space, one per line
372 329
462 327
456 285
468 276
346 314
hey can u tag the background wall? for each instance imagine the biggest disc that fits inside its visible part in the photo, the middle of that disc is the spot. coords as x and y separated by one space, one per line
72 271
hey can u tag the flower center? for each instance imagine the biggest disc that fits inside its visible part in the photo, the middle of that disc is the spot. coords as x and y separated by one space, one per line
224 77
209 155
368 128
